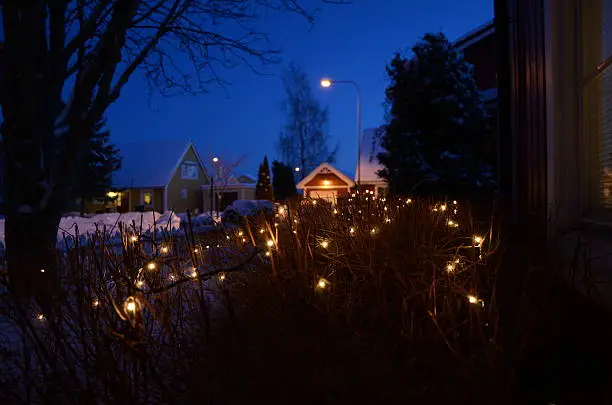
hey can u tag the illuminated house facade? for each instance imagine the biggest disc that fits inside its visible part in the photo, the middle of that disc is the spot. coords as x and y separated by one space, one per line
327 182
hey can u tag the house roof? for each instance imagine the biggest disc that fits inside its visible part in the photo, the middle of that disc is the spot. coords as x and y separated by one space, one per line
150 163
318 170
475 35
370 148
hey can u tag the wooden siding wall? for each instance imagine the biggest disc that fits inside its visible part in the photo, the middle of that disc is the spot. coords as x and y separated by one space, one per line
520 25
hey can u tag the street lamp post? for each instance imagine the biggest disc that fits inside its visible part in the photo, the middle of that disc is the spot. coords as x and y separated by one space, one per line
212 187
328 83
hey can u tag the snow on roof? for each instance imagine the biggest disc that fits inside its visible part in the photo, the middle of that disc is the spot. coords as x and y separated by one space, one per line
324 168
370 148
148 163
247 178
475 35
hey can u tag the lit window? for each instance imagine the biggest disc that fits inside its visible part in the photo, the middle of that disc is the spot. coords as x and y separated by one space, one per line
184 194
189 171
147 198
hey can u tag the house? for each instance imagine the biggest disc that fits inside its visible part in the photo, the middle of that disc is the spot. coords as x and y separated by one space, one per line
366 173
326 182
329 183
480 49
225 188
158 175
555 114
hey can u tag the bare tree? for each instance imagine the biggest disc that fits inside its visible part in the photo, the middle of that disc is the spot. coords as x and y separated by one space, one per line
88 50
222 174
304 140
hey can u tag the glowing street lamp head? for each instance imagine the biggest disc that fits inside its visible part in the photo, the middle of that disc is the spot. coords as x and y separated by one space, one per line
297 169
215 159
326 83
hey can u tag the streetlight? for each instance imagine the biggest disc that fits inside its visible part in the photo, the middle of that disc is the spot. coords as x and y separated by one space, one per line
215 159
212 188
326 83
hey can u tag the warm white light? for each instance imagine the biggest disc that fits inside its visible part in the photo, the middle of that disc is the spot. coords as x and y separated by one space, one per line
452 223
325 244
443 207
164 249
335 211
477 240
139 283
130 304
195 250
268 253
270 243
281 210
373 231
472 299
322 283
297 169
42 270
40 317
262 230
387 220
133 238
112 194
326 83
151 266
215 159
454 202
450 267
193 273
314 202
95 303
240 233
221 276
326 182
352 230
408 201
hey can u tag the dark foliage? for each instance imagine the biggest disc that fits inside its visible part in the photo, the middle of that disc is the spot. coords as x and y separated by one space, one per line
263 189
283 181
438 130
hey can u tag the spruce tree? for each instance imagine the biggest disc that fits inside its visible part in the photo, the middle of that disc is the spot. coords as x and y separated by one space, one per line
283 181
437 128
263 189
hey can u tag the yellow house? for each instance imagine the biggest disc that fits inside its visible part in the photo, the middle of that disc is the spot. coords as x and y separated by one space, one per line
159 175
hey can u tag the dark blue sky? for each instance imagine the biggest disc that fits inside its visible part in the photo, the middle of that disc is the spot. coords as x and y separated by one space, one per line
352 42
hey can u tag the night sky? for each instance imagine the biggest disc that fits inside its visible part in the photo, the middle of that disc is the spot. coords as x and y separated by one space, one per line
348 42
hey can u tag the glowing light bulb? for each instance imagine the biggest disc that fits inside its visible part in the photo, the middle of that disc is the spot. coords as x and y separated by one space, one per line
408 201
281 210
221 276
227 237
454 202
40 317
478 240
240 233
443 207
133 238
139 283
326 182
164 249
95 303
193 273
130 304
42 270
472 299
262 230
335 211
270 243
387 220
151 266
171 277
450 267
314 202
352 230
385 208
452 223
373 231
322 283
195 250
325 244
268 253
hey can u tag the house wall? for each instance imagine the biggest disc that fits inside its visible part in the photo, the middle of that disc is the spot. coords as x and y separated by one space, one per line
320 178
193 187
340 191
244 193
483 55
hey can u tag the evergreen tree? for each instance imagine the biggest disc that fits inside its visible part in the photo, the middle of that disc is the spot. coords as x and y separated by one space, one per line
437 132
263 189
93 173
304 140
283 181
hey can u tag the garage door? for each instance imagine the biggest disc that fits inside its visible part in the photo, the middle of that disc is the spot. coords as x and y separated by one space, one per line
329 195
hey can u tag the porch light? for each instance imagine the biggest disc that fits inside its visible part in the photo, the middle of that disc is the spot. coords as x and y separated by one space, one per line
326 182
112 194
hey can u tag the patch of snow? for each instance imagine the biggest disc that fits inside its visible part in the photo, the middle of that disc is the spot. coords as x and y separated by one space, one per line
449 155
25 209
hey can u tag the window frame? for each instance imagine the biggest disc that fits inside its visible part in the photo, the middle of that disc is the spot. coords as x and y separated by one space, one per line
143 195
188 164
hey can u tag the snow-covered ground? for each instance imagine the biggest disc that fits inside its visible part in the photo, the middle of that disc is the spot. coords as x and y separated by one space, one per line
143 220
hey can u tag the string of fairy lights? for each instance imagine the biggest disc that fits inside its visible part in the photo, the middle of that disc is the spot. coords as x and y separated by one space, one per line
264 242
